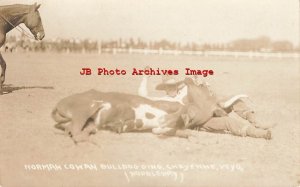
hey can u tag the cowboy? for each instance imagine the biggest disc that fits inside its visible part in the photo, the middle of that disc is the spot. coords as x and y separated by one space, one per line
175 91
239 120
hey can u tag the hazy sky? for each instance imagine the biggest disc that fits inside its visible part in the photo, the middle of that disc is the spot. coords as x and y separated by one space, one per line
176 20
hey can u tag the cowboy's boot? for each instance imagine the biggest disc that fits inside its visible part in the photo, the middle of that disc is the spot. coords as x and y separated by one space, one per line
258 133
251 117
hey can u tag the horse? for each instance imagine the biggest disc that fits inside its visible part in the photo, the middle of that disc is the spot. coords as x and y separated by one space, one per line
10 17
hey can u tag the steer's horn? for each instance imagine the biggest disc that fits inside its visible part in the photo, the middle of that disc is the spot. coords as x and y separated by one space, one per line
232 100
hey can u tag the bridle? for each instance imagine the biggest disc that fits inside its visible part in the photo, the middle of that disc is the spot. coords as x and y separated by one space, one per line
18 27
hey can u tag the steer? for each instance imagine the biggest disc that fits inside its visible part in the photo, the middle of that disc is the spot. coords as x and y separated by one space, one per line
80 114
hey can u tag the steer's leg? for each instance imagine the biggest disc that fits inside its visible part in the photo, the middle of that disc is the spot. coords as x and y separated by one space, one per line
169 124
84 135
65 126
2 75
76 128
81 118
173 120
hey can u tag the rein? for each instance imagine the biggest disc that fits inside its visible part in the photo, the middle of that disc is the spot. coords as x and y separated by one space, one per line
18 27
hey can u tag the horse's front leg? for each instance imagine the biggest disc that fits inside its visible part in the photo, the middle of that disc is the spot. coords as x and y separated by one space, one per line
2 75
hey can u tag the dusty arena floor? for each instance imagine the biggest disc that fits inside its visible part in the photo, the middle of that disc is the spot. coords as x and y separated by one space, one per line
33 153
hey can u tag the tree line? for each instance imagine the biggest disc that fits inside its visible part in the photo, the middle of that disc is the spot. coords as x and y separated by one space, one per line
260 44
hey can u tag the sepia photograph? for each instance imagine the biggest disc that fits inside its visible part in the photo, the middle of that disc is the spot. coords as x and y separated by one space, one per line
139 93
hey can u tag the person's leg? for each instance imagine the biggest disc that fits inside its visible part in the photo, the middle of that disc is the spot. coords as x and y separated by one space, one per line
258 133
247 113
215 124
244 111
235 127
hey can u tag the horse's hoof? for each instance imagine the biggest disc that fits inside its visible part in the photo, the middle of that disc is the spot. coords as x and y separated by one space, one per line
3 92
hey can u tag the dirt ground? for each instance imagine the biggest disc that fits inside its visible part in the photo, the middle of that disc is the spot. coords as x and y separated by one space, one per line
33 153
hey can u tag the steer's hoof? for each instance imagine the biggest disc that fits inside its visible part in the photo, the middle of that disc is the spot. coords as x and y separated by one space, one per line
164 131
80 138
182 134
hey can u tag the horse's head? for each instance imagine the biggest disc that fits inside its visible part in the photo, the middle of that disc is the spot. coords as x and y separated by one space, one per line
201 104
33 22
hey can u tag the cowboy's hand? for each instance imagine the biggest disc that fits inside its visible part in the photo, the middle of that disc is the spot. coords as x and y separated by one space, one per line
219 112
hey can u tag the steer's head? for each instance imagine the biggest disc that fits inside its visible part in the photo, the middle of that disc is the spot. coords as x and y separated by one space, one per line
189 117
